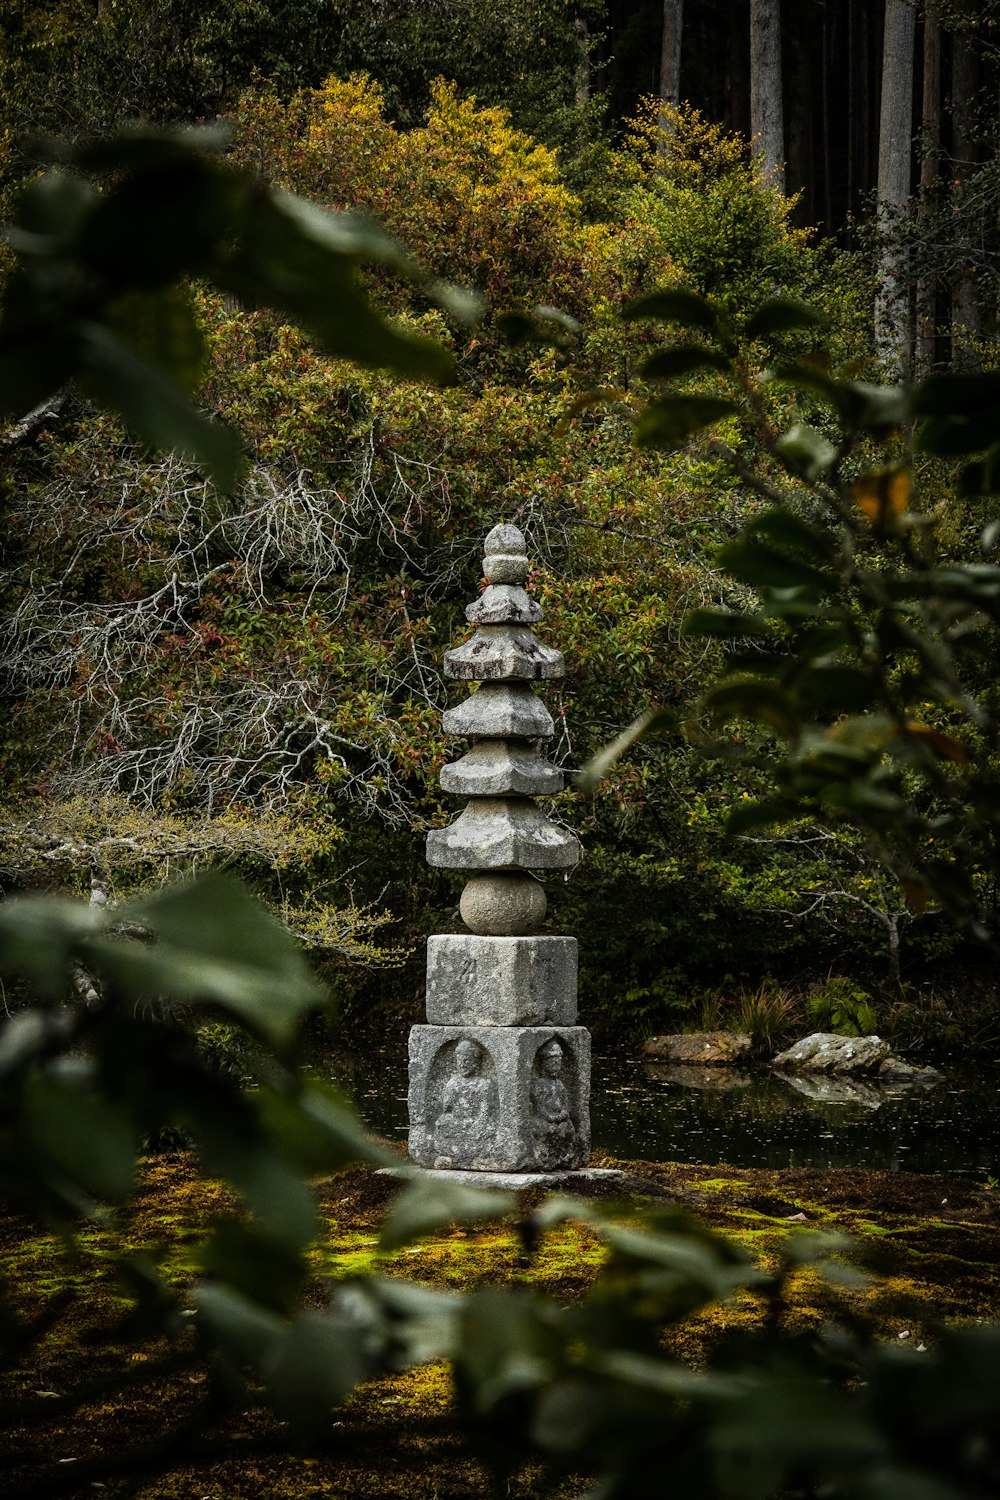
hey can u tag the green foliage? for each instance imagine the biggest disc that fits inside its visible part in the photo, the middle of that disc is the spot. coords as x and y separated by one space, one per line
838 1004
94 292
864 648
287 664
766 1015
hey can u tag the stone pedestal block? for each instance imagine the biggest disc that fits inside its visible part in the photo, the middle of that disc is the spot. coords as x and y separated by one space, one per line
500 1098
501 981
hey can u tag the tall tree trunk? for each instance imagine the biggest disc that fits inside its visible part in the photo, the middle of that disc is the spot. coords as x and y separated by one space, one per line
766 116
930 157
965 80
670 51
736 92
894 143
582 90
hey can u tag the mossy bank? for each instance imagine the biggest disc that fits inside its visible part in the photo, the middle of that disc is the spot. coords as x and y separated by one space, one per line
932 1243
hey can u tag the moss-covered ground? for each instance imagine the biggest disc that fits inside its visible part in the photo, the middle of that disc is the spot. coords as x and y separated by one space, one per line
934 1241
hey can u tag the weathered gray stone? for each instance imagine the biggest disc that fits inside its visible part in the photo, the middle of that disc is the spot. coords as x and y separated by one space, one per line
503 653
497 768
500 710
500 1075
894 1070
704 1049
825 1052
504 538
507 903
504 604
501 981
506 567
497 833
500 1098
573 1180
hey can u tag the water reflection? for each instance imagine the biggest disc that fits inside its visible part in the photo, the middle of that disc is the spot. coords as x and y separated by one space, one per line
829 1088
664 1112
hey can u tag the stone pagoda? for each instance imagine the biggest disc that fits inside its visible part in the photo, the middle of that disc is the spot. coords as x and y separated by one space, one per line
500 1075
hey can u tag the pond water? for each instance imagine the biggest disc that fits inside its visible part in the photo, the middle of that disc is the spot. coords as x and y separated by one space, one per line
647 1112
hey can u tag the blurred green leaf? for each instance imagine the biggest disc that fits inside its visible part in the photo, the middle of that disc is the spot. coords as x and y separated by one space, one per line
787 1424
242 1328
751 561
155 226
653 721
674 306
38 937
245 1157
23 1037
317 1129
702 1264
875 408
254 1263
49 212
429 1203
761 812
138 148
805 450
162 329
216 945
300 260
726 625
311 1368
669 364
754 699
505 1346
832 689
957 395
789 530
667 1377
951 436
34 363
154 407
83 1134
669 422
780 315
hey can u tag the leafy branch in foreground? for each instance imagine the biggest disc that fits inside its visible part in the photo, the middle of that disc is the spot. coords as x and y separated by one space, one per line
97 296
866 650
84 1082
592 1388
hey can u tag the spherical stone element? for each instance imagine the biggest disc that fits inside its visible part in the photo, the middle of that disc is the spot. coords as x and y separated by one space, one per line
503 905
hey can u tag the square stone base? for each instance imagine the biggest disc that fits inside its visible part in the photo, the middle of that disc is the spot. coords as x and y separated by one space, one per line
500 1098
501 981
578 1180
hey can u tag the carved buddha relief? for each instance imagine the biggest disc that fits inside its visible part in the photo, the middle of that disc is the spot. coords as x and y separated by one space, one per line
466 1124
554 1135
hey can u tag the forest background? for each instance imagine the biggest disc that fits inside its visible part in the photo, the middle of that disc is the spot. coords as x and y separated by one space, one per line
255 679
